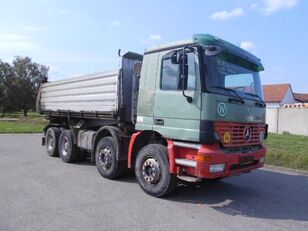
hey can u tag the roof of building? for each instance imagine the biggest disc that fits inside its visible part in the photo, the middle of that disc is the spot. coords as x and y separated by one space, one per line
275 92
302 97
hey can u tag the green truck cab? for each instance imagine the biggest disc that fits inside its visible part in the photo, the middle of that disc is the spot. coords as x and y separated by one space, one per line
212 114
189 110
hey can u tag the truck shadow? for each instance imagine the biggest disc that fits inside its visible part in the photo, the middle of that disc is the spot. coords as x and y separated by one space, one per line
261 194
86 162
128 176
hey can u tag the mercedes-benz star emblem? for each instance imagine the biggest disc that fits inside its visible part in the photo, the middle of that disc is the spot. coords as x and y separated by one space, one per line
247 134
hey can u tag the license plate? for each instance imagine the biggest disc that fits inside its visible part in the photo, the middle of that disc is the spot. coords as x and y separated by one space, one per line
246 160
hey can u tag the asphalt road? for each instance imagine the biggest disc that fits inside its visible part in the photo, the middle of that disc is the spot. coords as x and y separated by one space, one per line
38 192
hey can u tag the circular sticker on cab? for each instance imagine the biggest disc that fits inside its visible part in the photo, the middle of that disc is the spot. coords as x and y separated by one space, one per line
222 109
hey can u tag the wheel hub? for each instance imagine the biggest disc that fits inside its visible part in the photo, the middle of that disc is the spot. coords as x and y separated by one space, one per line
50 142
151 171
105 157
65 147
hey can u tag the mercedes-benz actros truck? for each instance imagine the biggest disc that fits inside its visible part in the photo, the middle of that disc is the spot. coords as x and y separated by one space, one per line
188 110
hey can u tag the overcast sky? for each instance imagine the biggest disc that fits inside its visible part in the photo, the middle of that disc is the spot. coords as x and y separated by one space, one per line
76 37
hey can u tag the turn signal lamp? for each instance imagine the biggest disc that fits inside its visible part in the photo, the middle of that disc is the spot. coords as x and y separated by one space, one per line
204 158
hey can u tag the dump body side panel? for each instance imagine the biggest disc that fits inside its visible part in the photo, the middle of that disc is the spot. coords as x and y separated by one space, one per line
90 93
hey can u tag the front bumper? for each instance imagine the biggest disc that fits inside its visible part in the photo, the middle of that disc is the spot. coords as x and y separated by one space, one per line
207 155
234 164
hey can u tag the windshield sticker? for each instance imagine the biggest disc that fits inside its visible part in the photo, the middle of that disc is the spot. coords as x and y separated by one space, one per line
222 109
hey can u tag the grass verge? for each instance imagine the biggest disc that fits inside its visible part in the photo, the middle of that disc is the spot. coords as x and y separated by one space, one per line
287 150
31 124
284 150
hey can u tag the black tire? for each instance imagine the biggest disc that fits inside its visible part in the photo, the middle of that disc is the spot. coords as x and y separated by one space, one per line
152 171
82 156
69 152
52 140
105 158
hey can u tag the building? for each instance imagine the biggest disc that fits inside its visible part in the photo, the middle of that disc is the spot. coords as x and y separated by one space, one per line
301 98
276 95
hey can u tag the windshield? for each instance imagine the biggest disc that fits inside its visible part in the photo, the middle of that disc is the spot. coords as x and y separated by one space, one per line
232 73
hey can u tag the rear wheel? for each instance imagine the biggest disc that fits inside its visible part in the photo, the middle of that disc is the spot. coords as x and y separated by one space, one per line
52 140
69 152
105 158
152 171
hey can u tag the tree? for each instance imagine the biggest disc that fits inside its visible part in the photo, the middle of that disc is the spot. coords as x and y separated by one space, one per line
6 74
24 84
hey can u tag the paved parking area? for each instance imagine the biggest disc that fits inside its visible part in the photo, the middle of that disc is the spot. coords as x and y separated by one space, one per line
38 192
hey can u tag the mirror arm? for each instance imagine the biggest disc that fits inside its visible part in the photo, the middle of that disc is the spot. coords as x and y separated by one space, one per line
188 98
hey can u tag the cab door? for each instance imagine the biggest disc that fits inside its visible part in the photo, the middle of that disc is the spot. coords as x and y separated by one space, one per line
174 117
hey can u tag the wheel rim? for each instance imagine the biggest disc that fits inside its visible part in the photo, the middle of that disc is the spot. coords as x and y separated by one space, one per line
50 142
65 146
151 170
105 157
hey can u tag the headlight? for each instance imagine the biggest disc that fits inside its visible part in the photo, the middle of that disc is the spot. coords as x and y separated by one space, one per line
215 168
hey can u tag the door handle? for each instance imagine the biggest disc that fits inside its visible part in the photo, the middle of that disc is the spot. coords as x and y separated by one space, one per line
159 122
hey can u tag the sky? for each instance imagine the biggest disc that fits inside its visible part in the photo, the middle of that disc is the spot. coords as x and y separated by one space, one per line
78 37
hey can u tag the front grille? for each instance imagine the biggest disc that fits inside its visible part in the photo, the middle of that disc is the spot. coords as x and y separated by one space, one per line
242 149
237 136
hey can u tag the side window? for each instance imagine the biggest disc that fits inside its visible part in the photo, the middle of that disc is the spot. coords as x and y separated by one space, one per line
170 75
170 78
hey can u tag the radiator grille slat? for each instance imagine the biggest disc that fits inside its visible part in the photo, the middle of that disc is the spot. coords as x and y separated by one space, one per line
236 131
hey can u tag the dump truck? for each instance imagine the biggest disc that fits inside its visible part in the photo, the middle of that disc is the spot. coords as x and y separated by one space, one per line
188 110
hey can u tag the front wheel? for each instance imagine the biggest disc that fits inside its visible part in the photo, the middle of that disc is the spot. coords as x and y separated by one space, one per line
152 171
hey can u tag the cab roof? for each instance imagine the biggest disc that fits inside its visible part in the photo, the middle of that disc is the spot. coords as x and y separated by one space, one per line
208 40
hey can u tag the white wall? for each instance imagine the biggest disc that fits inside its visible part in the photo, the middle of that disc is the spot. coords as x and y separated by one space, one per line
272 119
273 105
292 120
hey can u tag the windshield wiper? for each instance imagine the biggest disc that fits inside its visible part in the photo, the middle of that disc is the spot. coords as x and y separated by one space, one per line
258 97
239 99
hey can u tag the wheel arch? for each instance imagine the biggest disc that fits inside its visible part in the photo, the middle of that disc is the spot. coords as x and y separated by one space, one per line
115 133
51 125
141 139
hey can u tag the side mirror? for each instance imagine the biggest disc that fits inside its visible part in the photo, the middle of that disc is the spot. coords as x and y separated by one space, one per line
183 59
183 76
174 59
180 57
184 80
177 57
